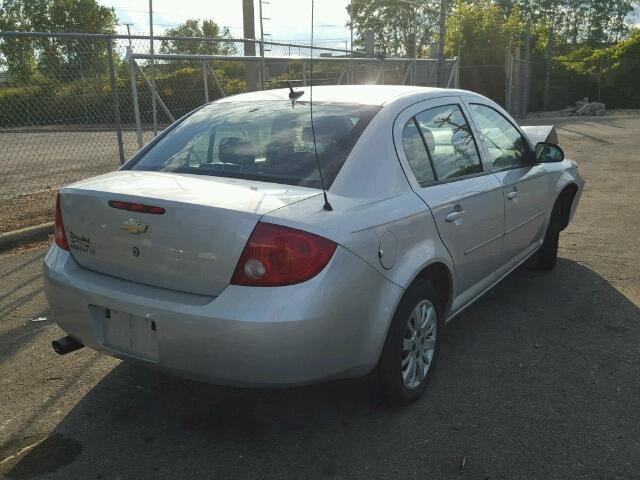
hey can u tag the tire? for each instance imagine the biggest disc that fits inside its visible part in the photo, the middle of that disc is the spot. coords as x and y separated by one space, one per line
402 348
548 253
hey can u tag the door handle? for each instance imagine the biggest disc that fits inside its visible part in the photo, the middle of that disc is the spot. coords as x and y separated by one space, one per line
455 215
513 195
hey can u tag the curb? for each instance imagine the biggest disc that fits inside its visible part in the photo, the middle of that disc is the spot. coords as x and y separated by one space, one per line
25 235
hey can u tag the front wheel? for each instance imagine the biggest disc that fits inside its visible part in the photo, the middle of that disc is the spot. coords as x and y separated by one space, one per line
411 348
548 253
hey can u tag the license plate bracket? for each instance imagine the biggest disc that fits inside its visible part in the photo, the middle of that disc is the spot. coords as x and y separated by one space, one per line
129 334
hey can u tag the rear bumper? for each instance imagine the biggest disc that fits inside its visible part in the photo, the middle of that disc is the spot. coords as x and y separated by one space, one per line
332 326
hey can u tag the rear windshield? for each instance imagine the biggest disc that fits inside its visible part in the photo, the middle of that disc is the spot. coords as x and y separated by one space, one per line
269 141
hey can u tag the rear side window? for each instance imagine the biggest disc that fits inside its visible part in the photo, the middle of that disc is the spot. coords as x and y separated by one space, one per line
269 141
416 153
449 141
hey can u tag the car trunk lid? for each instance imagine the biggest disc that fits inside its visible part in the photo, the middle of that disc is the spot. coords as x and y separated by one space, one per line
193 246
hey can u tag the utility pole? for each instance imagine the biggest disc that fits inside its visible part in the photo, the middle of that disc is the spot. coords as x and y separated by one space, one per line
443 18
262 34
153 72
249 29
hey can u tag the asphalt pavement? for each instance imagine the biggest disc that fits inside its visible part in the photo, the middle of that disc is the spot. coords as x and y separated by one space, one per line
540 379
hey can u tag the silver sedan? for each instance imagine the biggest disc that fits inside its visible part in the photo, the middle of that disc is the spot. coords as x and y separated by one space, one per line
215 253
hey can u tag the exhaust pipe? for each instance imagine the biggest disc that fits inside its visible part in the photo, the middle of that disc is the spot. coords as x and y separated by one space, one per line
66 345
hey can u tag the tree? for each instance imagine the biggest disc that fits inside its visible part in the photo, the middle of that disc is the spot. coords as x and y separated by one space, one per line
482 31
578 21
393 21
198 29
62 58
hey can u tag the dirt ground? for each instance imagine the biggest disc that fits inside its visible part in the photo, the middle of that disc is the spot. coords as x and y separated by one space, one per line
540 379
27 210
34 164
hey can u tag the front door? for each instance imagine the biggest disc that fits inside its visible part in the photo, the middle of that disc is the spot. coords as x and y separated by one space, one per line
526 187
465 200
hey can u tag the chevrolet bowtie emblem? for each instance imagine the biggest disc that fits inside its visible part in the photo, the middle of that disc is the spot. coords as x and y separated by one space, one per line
134 226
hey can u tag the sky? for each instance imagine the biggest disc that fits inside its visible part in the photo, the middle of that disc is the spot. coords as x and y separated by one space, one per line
287 19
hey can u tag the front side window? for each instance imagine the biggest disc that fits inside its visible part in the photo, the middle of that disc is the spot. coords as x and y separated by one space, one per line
270 141
450 142
507 148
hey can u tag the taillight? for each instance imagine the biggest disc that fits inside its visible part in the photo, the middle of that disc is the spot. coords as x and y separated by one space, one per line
277 255
58 230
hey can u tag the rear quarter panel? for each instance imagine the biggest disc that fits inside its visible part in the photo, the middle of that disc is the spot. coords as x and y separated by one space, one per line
359 226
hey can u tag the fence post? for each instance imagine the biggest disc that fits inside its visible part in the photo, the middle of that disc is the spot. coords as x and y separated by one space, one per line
507 78
452 73
516 78
526 69
134 96
599 76
204 80
114 100
547 73
262 65
84 91
154 107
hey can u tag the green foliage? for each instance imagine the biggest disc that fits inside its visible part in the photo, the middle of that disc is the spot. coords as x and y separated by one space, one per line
609 74
481 32
200 29
393 21
54 57
65 80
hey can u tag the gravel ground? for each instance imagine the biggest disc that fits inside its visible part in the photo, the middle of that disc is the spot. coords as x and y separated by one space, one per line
40 160
540 379
27 210
34 163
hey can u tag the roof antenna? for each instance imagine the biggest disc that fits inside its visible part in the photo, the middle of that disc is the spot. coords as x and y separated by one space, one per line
293 95
327 205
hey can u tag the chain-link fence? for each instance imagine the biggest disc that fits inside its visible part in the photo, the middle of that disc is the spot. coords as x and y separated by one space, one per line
522 87
602 80
77 105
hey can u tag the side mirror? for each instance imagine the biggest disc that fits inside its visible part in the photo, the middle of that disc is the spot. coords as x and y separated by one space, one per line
548 153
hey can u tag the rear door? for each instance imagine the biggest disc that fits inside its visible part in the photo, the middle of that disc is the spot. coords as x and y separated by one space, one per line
439 148
525 185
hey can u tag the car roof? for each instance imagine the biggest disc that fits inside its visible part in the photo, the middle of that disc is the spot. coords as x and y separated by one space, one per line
353 94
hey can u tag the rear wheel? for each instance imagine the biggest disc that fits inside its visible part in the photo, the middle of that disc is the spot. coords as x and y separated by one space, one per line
411 348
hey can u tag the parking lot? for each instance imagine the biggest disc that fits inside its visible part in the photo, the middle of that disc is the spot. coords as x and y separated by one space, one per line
538 380
33 160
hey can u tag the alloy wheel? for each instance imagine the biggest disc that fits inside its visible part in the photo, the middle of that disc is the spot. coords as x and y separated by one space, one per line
418 344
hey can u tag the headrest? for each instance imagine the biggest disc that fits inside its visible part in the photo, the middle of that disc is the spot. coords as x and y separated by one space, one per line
236 150
429 138
328 129
279 150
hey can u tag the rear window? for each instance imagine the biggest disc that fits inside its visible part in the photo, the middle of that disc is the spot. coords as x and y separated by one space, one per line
269 141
